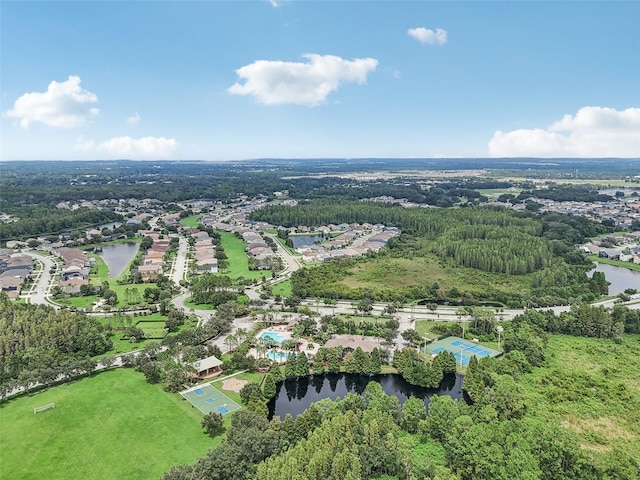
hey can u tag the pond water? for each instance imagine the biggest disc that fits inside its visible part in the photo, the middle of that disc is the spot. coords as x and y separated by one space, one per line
620 278
202 202
304 240
117 256
295 395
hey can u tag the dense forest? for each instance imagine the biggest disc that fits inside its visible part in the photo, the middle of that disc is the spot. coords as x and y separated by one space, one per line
489 435
39 344
35 220
374 436
48 183
487 239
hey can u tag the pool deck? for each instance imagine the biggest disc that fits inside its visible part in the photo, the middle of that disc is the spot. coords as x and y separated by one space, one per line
282 330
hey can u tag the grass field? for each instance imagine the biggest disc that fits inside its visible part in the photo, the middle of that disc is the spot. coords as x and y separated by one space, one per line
591 386
378 274
154 330
238 262
198 306
110 426
601 182
282 288
425 328
193 221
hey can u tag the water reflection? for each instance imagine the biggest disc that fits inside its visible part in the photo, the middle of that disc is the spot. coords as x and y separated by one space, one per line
619 278
304 240
117 257
294 395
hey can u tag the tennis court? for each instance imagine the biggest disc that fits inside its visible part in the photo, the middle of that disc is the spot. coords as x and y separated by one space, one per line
207 398
462 349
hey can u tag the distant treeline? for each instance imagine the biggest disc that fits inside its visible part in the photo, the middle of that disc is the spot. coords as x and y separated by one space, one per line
37 220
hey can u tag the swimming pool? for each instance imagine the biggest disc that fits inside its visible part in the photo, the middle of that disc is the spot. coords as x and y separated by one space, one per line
273 336
278 356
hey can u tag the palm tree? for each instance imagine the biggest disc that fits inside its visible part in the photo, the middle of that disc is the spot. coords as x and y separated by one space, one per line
230 340
241 335
332 303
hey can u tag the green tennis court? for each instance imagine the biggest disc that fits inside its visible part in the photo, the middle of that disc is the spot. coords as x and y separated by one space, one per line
462 349
207 399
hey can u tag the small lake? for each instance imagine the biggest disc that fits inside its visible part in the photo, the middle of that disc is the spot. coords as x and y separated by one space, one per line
117 256
295 395
304 240
620 278
202 202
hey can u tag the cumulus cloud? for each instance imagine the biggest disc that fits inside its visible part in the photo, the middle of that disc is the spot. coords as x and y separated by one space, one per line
133 119
592 132
426 35
64 104
145 148
279 83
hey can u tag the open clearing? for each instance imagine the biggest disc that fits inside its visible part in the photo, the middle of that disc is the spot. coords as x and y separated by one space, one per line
591 386
380 273
113 425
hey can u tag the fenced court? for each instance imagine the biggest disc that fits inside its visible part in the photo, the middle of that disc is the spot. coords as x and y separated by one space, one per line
462 349
207 398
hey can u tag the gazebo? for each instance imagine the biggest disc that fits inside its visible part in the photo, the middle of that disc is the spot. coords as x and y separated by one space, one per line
208 367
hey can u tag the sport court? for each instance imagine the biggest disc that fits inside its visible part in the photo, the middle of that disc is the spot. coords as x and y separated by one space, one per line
207 398
462 349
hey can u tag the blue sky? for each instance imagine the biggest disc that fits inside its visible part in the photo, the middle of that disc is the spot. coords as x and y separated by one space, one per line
214 80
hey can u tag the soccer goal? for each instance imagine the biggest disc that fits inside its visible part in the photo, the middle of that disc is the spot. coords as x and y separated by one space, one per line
44 407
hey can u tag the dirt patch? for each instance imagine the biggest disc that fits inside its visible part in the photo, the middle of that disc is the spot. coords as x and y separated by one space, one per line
233 384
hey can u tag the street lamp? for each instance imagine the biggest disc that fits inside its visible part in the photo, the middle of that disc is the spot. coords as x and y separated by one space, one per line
499 329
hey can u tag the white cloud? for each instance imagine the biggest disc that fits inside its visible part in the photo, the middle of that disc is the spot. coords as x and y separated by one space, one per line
592 132
64 104
274 3
133 119
145 148
279 83
426 35
83 145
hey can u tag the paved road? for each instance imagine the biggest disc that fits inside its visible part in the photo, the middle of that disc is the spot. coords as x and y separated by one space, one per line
180 263
41 288
406 315
290 261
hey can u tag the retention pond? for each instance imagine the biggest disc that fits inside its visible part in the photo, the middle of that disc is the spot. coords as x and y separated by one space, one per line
295 395
117 256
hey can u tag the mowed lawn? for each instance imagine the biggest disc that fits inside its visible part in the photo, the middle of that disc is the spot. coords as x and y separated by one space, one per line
234 248
192 221
110 426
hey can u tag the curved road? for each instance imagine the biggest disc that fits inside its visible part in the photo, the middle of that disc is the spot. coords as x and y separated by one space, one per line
41 288
406 316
